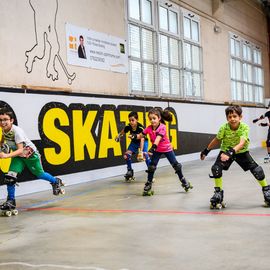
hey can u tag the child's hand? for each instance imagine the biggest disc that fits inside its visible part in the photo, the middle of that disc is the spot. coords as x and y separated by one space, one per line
132 136
227 155
140 156
204 153
3 155
117 139
152 149
224 157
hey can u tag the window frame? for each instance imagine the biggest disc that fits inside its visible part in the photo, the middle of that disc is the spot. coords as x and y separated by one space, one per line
175 36
180 69
244 81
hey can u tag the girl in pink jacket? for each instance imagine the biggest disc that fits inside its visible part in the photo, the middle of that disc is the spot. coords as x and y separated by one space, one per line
160 145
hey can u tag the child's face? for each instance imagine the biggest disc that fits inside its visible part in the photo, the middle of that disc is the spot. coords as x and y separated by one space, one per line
234 120
133 121
154 120
5 122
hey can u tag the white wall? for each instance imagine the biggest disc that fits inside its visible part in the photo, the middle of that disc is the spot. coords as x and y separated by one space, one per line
191 117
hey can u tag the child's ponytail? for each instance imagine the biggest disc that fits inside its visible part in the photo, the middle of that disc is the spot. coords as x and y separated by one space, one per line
165 115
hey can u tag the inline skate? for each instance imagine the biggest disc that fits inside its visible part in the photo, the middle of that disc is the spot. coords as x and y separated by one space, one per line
186 185
147 191
266 159
8 208
57 187
266 194
129 176
216 202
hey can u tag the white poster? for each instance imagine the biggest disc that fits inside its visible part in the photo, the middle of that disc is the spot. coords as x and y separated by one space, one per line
88 48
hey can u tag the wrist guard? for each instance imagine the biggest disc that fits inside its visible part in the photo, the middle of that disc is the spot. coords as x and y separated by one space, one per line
153 148
205 152
230 152
263 124
257 119
5 148
117 138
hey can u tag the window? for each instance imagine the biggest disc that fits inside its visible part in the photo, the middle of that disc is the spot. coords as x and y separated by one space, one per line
192 52
163 59
140 10
169 51
141 64
246 71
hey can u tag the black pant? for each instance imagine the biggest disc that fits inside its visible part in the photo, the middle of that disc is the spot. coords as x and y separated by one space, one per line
244 160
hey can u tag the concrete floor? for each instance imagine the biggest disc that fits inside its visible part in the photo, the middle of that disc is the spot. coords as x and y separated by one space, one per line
107 224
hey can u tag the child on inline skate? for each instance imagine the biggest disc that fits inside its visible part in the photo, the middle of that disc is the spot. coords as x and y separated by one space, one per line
139 146
160 145
234 140
24 154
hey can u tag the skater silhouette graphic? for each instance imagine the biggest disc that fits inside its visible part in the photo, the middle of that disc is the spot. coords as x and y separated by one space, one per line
46 39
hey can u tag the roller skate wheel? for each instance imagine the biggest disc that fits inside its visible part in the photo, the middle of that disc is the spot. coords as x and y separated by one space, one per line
224 205
212 206
219 206
130 179
148 193
15 212
62 191
188 188
8 213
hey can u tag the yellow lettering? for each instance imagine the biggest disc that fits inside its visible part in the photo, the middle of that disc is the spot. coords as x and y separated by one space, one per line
109 126
57 136
173 133
4 163
82 134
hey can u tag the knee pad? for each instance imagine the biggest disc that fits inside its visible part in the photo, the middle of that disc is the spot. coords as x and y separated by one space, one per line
177 167
152 168
10 179
216 171
258 173
127 155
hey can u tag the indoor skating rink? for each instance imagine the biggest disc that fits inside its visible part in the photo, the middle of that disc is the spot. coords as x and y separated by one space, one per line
109 225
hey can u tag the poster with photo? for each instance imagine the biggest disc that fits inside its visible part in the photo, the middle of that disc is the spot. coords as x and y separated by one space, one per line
88 48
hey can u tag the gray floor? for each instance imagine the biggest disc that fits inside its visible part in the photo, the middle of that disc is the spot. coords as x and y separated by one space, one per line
108 225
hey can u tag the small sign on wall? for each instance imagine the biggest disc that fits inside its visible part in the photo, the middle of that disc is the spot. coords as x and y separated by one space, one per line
88 48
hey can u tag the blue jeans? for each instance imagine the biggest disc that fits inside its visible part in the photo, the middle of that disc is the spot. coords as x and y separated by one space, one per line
154 162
